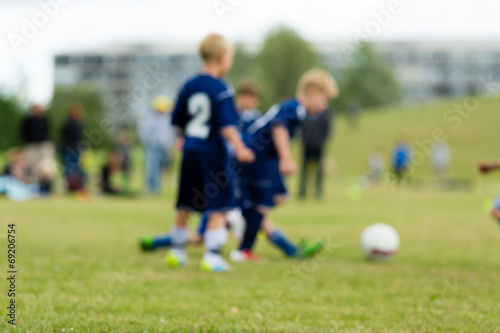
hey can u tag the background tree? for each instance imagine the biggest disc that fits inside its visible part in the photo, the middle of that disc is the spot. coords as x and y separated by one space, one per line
284 57
11 117
243 66
367 79
90 99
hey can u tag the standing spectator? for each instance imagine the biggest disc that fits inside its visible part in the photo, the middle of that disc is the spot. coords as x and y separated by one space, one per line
157 136
35 133
440 159
113 165
401 160
125 141
376 165
315 133
71 135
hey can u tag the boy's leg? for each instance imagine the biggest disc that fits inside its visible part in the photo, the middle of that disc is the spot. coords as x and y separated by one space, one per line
278 239
303 176
215 238
319 175
281 241
253 218
179 233
150 243
495 213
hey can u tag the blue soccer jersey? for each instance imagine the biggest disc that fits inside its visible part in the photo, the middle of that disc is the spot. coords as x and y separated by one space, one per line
247 118
205 105
289 114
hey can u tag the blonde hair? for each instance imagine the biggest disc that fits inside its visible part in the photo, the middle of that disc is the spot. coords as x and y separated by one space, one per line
320 79
212 46
162 104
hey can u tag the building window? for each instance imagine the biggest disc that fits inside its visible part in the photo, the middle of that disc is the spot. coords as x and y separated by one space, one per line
62 60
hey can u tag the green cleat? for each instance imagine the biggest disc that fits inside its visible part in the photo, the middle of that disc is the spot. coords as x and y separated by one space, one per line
146 243
214 263
308 251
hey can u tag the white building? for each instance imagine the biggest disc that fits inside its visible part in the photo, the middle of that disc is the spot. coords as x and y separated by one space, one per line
129 77
428 70
126 74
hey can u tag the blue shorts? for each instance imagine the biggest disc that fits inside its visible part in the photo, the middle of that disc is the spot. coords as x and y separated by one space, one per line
261 182
206 183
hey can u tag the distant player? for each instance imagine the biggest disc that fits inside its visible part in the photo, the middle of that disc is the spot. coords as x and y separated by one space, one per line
269 138
247 102
487 167
206 115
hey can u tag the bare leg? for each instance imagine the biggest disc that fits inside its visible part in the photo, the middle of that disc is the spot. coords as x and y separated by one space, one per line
495 213
181 218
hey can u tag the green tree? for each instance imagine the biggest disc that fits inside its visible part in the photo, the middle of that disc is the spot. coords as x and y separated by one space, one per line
243 66
11 116
91 101
367 80
284 57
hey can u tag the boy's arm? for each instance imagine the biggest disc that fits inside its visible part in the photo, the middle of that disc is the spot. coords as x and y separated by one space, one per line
243 154
485 167
281 140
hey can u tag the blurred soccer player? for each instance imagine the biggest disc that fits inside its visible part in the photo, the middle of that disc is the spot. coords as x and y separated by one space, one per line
247 102
206 116
269 137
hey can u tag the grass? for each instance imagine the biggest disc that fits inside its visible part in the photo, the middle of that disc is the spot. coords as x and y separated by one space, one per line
80 269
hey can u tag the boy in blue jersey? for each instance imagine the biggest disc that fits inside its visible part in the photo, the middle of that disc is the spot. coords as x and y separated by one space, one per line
247 101
269 138
208 120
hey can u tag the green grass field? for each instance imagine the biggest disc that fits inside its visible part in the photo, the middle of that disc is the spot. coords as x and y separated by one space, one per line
80 270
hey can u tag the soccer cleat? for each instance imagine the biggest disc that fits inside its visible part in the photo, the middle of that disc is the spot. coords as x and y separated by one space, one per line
308 251
237 256
214 263
176 258
250 255
243 256
146 243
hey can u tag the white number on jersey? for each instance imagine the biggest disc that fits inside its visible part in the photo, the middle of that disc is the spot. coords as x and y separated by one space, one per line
199 108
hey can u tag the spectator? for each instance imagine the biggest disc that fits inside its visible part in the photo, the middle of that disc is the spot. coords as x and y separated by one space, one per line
13 178
440 159
401 160
376 165
157 136
315 133
16 165
71 135
114 164
125 141
35 132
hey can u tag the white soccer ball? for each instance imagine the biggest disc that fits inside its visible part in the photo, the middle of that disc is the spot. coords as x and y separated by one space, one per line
379 242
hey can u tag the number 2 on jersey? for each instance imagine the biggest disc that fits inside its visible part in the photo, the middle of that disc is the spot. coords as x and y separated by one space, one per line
199 109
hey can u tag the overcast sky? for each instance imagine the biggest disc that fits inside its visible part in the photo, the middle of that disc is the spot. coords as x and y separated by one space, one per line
87 24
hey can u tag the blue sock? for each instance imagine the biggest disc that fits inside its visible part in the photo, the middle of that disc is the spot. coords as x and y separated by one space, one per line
203 224
162 241
254 221
280 240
